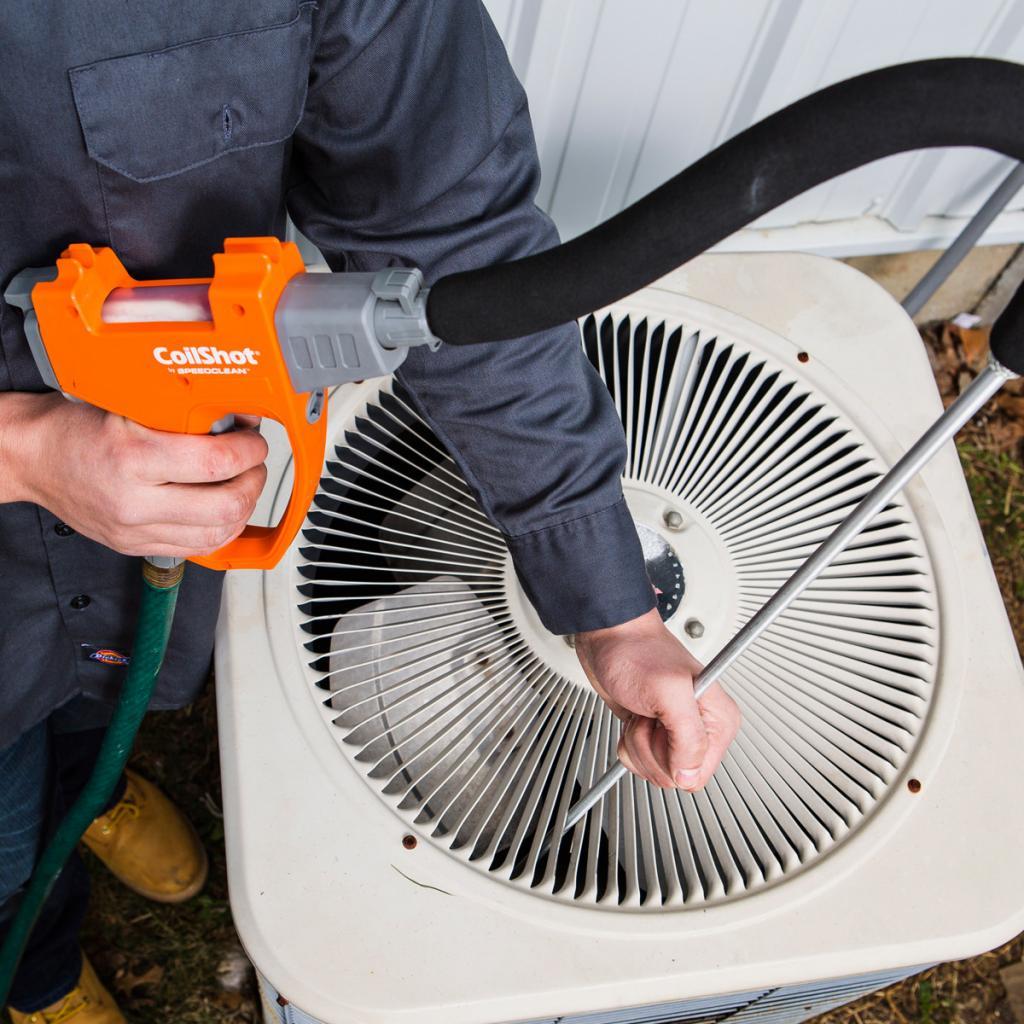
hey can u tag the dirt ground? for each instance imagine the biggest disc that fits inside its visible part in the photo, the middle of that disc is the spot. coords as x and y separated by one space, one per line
184 964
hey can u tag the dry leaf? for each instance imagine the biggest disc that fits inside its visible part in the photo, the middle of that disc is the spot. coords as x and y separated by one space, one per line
971 343
234 972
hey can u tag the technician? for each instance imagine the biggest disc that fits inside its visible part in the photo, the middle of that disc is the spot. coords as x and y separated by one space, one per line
393 133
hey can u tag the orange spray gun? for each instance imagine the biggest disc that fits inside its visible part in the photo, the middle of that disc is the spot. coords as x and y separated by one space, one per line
261 337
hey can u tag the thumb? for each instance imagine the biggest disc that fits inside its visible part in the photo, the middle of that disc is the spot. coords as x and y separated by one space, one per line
687 744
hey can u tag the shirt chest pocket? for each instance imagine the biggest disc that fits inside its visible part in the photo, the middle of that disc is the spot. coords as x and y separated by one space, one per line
149 116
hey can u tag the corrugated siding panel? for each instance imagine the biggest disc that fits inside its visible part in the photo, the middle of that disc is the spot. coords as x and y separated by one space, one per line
788 1005
624 93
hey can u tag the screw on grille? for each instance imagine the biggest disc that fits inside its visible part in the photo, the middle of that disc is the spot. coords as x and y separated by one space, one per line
674 519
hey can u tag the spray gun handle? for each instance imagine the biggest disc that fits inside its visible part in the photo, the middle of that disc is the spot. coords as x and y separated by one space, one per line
183 376
262 547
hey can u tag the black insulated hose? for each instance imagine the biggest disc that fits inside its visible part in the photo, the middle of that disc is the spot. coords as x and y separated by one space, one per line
923 105
1007 337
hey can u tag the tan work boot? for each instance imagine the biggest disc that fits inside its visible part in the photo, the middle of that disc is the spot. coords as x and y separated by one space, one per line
149 844
87 1003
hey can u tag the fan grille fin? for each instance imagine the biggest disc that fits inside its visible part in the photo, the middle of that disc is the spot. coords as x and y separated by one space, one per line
450 705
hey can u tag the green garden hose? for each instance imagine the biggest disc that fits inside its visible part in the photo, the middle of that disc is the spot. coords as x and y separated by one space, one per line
156 612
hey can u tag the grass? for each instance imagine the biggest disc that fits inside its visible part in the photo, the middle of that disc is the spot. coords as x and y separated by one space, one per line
169 963
184 963
996 480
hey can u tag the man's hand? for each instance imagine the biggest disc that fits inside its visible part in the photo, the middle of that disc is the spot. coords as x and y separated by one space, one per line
138 491
645 675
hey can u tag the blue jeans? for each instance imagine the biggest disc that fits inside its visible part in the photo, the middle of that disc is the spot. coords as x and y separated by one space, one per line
41 773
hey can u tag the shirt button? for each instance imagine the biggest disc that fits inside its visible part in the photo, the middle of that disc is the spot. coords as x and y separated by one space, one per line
63 530
80 601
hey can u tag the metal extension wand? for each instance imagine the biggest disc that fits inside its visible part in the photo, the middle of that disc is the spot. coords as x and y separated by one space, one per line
984 386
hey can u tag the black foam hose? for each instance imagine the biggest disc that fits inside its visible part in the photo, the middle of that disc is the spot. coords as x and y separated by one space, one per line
1007 337
923 105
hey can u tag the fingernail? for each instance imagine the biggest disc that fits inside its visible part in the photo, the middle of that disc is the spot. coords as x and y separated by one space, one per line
686 777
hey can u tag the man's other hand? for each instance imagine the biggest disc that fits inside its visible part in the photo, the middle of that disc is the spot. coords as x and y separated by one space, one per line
645 675
138 491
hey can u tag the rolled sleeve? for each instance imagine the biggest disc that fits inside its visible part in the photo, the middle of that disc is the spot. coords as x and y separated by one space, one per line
416 149
584 571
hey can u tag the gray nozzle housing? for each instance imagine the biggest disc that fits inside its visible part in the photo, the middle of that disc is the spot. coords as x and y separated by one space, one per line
344 327
19 293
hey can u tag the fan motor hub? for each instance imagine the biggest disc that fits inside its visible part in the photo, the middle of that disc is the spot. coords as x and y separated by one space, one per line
664 570
707 581
707 572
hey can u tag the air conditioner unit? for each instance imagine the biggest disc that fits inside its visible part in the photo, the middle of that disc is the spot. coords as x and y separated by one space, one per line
399 734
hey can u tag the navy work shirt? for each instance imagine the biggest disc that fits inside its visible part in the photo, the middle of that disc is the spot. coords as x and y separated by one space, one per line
393 132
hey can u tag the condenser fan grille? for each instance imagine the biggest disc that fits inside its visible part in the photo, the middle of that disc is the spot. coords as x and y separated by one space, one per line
457 709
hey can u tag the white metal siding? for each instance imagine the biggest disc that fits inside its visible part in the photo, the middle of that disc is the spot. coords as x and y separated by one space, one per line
624 93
